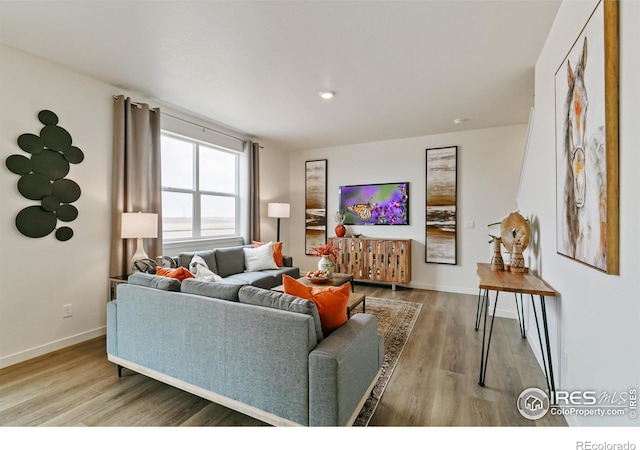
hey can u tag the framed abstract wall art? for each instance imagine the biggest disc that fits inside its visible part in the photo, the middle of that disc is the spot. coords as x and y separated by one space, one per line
315 204
441 209
586 108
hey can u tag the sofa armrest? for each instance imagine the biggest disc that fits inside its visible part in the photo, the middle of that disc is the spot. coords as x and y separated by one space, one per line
287 261
112 327
342 368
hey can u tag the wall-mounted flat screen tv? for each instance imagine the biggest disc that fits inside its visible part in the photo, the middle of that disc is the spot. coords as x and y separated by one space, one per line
375 204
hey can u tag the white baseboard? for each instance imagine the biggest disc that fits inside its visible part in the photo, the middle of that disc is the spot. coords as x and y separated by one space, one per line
16 358
453 289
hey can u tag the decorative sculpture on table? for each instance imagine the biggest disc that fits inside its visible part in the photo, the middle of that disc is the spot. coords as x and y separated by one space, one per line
497 262
42 178
515 233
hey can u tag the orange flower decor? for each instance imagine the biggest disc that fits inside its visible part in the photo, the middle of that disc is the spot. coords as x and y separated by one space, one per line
329 250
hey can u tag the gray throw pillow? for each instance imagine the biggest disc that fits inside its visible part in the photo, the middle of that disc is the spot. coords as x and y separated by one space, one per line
154 281
222 291
184 258
229 261
278 300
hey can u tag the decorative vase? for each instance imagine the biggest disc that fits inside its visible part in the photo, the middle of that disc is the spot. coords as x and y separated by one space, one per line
517 260
341 230
327 265
497 263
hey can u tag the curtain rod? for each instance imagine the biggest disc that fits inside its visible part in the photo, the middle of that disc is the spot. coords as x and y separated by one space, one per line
202 126
138 105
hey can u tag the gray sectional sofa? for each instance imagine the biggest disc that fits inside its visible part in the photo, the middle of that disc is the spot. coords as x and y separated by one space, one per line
254 350
229 263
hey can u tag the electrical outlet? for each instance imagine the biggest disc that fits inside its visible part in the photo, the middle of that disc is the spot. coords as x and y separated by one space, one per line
67 310
469 224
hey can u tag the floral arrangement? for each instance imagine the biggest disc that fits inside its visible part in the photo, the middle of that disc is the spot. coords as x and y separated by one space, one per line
493 236
329 250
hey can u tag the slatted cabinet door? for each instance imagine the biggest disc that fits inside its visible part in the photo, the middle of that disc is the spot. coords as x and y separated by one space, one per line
357 258
351 257
375 260
398 255
341 260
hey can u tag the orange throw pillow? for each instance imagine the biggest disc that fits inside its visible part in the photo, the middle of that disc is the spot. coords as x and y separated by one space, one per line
180 273
330 301
294 287
277 251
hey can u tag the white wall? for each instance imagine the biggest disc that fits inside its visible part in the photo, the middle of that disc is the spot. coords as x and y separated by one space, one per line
274 187
489 163
41 275
595 318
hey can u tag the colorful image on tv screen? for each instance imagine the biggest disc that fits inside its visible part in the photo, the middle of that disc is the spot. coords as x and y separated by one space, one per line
375 204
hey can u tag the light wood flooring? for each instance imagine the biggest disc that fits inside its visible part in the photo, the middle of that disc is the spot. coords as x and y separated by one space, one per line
434 384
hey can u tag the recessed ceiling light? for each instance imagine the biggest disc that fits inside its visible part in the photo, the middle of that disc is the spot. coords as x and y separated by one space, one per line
327 94
458 121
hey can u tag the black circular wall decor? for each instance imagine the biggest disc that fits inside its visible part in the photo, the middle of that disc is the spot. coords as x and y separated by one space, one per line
35 221
67 213
47 117
51 203
50 164
34 186
67 191
64 233
30 143
20 165
42 177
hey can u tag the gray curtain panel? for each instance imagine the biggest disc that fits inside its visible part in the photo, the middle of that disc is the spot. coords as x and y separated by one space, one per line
136 178
252 151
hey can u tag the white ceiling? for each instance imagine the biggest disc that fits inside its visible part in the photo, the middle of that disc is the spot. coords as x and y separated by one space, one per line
399 68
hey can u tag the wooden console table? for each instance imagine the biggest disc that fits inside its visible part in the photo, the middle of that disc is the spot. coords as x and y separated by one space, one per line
375 260
518 283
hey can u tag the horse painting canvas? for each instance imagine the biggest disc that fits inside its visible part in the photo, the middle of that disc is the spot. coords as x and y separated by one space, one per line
583 162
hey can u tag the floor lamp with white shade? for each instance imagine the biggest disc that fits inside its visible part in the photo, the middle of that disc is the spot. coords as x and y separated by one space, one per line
279 211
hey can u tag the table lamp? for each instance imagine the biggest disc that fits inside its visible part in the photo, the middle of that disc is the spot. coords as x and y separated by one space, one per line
139 226
278 210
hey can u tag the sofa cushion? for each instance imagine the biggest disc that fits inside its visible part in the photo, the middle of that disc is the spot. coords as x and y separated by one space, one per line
257 279
154 281
224 291
229 261
277 300
277 251
184 258
331 301
277 274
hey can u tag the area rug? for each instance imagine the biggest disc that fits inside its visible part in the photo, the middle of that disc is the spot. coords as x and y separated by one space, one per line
396 319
